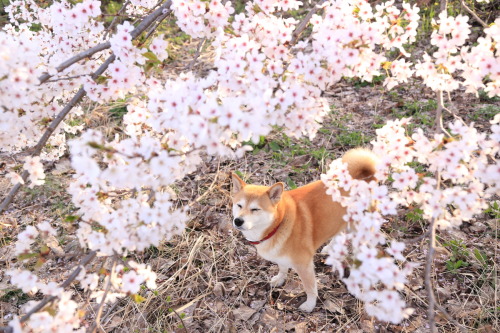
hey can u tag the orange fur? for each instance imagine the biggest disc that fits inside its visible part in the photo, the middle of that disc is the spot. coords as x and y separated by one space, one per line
307 218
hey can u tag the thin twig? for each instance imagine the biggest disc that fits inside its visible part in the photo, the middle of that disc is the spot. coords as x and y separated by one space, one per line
115 19
443 4
431 314
470 11
67 78
439 115
197 54
431 310
450 318
107 317
85 54
416 239
156 24
439 307
453 112
97 321
303 24
182 321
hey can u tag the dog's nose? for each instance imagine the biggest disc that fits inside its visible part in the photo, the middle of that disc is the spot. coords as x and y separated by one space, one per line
238 222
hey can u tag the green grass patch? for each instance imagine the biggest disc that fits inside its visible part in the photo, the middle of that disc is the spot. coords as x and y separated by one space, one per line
459 255
486 113
493 210
118 112
15 296
483 97
352 138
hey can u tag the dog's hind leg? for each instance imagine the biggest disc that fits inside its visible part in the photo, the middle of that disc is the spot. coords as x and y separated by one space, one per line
279 279
306 274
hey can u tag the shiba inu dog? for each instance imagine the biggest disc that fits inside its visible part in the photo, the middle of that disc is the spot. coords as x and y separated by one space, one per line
287 227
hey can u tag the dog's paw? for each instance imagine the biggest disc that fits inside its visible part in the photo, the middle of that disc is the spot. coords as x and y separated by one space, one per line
308 306
277 281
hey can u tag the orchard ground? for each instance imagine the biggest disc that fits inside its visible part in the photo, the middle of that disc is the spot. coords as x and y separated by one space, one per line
211 280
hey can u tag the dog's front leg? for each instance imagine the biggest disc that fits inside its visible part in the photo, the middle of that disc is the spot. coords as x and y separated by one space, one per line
279 279
306 274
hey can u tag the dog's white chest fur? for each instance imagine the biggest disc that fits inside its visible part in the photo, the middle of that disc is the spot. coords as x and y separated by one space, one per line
273 254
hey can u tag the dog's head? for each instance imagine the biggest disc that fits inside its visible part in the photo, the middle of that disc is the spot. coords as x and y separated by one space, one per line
254 207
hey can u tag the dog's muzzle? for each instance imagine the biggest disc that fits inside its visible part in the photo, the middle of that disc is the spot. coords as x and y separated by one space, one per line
238 222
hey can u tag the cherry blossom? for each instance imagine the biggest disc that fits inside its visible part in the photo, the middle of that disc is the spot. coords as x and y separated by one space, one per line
262 76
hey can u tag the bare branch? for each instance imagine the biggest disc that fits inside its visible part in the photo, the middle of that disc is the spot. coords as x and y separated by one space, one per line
303 24
450 318
156 24
197 54
416 239
85 54
439 115
115 19
68 78
431 314
474 15
97 321
431 309
443 4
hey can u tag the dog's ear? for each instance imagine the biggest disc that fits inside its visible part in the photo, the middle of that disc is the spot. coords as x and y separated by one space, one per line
238 183
275 192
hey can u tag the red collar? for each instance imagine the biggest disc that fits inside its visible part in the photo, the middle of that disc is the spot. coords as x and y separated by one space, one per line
267 237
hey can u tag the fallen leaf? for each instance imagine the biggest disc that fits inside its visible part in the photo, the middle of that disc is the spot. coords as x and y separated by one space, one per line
478 227
243 312
300 160
219 290
257 305
333 306
53 244
301 328
62 166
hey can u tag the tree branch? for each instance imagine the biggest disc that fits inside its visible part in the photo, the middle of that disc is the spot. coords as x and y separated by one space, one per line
115 19
97 321
450 318
431 314
103 46
85 261
439 115
303 24
197 54
160 12
432 306
52 127
474 15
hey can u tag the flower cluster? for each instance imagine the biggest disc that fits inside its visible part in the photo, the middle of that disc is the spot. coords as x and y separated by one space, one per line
65 316
263 75
454 64
26 238
201 18
463 162
26 52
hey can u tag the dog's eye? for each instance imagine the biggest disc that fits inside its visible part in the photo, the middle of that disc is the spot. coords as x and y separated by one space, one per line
239 206
255 209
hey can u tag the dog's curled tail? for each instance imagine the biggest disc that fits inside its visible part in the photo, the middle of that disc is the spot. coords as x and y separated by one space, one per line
361 163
